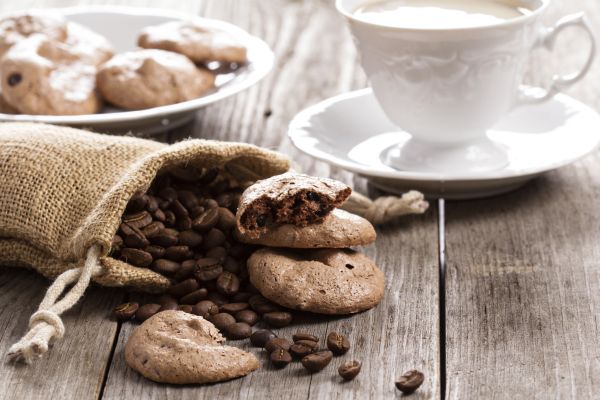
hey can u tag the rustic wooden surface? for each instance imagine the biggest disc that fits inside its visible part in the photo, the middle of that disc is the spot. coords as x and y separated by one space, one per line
315 59
522 294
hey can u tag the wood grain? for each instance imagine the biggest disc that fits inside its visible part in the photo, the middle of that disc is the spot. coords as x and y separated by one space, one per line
523 276
315 59
76 365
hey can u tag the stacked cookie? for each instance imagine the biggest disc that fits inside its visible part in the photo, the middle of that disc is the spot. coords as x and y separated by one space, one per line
49 66
307 263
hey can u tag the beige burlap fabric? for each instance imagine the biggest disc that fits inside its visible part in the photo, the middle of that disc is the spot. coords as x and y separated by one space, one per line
63 192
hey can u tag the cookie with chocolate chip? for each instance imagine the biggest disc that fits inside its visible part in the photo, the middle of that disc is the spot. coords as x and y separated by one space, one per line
197 39
289 198
151 78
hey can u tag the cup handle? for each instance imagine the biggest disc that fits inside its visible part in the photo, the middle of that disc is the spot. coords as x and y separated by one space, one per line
559 82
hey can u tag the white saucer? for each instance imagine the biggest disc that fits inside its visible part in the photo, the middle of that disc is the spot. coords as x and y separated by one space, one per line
351 131
121 26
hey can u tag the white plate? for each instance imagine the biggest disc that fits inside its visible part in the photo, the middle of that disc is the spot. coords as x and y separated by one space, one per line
351 131
121 26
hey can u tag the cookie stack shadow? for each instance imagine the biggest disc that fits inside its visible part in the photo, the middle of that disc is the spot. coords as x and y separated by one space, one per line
307 262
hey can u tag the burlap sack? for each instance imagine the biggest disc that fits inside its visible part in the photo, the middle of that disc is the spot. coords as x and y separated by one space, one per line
62 194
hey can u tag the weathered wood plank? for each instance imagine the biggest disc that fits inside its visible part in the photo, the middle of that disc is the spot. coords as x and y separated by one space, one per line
316 59
76 365
523 277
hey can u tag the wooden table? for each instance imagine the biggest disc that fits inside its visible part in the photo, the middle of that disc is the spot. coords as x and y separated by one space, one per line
510 310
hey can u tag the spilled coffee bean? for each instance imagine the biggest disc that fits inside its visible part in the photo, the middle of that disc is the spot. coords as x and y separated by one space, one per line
337 343
315 362
277 343
410 381
261 337
349 370
280 358
125 311
146 311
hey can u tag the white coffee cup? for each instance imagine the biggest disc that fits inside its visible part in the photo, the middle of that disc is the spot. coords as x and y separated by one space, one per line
447 87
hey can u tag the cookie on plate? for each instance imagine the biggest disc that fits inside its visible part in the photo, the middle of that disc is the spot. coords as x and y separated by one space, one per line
150 78
200 42
325 281
44 77
17 26
289 198
181 348
338 230
90 46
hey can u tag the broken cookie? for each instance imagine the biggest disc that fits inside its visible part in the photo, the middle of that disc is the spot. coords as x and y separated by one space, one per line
289 198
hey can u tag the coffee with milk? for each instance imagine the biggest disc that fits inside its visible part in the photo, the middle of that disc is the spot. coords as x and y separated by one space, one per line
439 14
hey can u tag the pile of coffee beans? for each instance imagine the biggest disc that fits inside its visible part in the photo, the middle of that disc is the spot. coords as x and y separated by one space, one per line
183 228
305 348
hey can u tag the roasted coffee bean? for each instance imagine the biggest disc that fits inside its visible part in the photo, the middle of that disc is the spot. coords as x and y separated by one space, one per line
205 308
232 308
190 238
116 243
138 220
206 221
166 238
146 311
183 287
178 253
410 381
261 337
188 199
156 251
277 343
241 297
315 362
218 253
196 212
159 216
152 204
222 320
209 175
213 238
248 316
137 257
262 305
217 298
228 284
188 267
230 264
165 267
303 348
349 370
194 297
170 219
153 229
337 343
210 203
235 200
179 210
280 358
184 223
207 269
278 319
185 308
238 330
223 200
167 301
226 219
168 194
125 311
137 203
304 336
134 237
219 187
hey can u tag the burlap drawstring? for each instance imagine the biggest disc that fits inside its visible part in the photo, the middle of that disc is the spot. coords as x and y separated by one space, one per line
386 208
45 325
